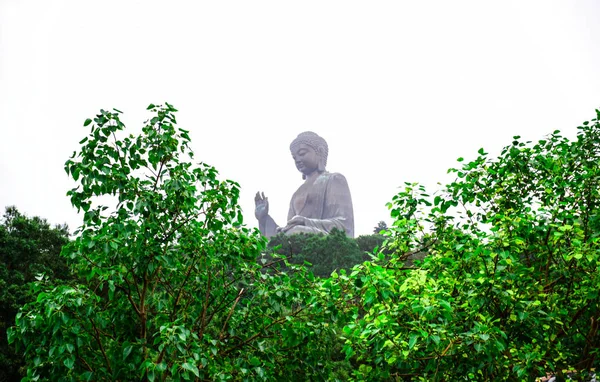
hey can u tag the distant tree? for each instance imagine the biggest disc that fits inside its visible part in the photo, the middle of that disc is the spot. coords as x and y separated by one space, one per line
369 243
381 226
28 247
325 253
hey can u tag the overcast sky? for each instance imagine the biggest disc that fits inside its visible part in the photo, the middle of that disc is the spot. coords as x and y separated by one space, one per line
399 89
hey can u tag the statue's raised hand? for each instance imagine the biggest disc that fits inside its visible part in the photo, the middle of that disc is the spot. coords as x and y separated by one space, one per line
261 209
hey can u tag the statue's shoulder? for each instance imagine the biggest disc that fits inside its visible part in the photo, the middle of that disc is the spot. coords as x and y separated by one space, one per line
335 177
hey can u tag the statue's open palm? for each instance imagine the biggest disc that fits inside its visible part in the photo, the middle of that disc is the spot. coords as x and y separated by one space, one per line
261 209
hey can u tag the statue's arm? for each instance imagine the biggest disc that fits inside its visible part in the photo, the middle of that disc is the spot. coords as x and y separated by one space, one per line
267 226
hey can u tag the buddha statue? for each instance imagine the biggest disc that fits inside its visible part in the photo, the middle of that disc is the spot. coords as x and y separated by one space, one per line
320 204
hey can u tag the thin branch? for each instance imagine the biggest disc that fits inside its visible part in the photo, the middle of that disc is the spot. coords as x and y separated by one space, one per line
231 312
203 319
97 337
185 280
162 162
261 332
128 294
87 366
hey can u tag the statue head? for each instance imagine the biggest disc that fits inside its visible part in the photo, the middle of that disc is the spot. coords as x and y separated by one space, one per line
308 139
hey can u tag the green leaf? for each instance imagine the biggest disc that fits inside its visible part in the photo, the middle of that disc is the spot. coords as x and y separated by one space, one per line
254 361
10 335
127 351
86 123
192 368
69 362
412 340
445 305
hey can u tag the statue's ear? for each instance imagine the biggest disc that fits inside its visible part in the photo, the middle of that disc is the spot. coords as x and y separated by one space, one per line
321 165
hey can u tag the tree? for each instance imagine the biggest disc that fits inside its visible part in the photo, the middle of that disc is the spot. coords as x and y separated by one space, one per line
510 288
173 290
381 226
28 247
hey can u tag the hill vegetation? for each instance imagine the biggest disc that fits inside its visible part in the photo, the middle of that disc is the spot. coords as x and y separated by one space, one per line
168 284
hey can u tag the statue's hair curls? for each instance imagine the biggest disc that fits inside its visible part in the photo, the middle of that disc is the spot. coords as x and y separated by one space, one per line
313 140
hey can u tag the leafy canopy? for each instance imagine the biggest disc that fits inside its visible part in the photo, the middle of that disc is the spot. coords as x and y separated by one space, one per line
510 286
172 289
503 280
29 246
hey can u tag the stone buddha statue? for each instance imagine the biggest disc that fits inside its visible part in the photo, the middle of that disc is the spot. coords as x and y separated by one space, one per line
320 204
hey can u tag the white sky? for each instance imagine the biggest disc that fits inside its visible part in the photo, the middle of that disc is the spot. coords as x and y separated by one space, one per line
398 89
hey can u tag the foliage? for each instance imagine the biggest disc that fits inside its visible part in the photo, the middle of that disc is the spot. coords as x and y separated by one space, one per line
28 247
325 253
173 290
510 288
372 244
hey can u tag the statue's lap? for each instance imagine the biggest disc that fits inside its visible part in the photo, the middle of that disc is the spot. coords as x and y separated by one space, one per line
303 229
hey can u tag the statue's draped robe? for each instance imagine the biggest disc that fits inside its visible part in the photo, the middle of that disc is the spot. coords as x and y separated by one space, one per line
326 203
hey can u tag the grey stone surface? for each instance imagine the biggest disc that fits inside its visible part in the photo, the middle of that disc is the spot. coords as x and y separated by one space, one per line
321 203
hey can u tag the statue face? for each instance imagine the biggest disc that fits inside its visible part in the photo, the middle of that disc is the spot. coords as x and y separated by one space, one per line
306 159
